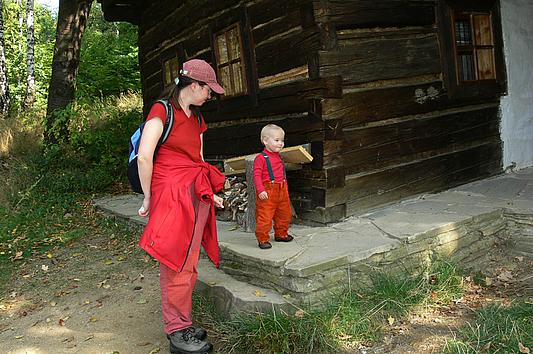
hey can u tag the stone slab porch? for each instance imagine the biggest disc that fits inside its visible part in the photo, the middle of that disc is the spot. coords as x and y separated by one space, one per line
460 224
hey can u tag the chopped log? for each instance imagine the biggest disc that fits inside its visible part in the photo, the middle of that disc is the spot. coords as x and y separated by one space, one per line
235 200
299 73
292 156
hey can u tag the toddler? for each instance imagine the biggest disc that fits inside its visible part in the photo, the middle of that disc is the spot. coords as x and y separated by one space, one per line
272 202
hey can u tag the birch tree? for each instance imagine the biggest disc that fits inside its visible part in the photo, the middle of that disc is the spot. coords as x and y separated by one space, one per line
71 23
4 86
30 57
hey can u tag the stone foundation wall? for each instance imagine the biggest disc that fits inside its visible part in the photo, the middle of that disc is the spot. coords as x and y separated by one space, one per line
520 229
464 243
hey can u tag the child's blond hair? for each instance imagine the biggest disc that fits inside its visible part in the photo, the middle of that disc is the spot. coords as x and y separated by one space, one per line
267 129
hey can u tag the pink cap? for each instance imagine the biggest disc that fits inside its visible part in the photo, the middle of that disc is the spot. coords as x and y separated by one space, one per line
200 70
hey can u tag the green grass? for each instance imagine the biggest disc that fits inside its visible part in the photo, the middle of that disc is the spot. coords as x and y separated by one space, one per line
52 209
444 283
497 328
344 321
395 294
282 333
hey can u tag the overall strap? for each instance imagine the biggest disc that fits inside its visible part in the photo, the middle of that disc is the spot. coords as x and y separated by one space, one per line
269 166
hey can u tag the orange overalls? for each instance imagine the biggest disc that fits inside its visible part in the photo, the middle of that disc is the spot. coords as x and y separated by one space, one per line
276 208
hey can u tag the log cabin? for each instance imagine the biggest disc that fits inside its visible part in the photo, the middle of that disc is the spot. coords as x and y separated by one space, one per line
396 97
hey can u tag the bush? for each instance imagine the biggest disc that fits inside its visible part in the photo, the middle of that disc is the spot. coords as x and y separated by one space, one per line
100 133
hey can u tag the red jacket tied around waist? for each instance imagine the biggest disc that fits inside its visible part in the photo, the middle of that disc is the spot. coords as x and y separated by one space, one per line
168 234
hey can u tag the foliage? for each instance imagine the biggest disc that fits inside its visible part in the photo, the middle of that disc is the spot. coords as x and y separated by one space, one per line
497 328
109 62
48 194
100 130
15 43
350 318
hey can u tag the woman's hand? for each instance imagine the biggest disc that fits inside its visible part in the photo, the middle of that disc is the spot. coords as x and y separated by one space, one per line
263 195
219 202
144 210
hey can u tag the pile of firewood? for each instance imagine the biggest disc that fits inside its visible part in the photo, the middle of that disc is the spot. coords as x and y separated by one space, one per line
235 200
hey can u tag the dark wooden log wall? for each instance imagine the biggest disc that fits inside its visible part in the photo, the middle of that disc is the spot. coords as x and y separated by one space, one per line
400 134
284 37
380 121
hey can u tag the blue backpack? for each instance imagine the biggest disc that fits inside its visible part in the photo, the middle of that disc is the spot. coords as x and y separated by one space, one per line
135 140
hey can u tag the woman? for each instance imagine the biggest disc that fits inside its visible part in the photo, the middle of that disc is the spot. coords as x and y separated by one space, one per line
179 200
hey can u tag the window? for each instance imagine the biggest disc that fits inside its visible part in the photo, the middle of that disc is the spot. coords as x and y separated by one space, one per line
230 64
474 46
170 70
471 48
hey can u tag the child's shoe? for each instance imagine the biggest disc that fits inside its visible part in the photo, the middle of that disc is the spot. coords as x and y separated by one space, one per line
287 238
265 245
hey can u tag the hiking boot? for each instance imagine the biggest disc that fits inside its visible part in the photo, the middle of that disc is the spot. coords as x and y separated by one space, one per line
184 342
287 238
199 333
265 245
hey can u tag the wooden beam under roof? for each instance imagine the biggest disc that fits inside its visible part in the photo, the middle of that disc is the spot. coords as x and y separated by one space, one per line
122 10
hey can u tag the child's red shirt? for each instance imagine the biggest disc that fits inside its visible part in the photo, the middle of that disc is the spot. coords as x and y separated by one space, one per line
261 170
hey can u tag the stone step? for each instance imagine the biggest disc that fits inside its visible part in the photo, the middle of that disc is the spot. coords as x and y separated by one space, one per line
325 259
305 270
231 296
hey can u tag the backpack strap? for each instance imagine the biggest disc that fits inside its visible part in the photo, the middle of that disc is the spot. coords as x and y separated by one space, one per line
169 122
198 115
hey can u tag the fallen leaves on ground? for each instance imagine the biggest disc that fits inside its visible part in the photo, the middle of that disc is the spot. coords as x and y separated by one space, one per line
299 313
505 276
523 349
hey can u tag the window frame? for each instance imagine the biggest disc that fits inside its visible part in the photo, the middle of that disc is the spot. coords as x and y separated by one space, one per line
449 50
171 71
167 55
239 16
225 31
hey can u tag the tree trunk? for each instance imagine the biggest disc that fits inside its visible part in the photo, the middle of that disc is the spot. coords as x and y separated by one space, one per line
21 22
4 86
30 58
71 22
249 216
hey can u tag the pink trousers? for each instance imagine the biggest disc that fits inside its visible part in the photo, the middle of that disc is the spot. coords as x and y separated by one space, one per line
177 287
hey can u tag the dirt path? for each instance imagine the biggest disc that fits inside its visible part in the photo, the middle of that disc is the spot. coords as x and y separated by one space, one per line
101 295
93 296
